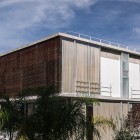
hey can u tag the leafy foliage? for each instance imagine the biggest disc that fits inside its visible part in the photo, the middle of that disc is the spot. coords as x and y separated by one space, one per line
101 122
132 121
54 117
10 116
131 127
133 117
124 134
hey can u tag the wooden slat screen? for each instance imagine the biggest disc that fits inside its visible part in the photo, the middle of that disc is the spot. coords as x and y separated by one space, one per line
115 110
80 65
34 66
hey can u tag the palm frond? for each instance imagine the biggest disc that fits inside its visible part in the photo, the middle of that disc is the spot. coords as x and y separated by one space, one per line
103 122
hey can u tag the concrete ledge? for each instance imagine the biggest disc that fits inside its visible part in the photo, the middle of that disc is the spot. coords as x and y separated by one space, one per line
101 98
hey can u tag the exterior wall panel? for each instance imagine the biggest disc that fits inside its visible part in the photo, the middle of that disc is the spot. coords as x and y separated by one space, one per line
68 66
35 66
80 67
114 110
110 76
134 78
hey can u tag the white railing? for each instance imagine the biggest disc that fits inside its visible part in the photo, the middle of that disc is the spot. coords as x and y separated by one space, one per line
91 89
135 93
87 88
101 41
106 89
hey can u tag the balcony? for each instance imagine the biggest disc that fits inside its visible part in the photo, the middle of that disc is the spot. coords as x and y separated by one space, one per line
134 93
99 90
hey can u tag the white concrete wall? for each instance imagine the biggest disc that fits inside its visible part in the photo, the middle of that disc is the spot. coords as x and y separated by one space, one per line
110 74
134 79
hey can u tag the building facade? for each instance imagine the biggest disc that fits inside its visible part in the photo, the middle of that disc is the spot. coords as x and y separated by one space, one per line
77 66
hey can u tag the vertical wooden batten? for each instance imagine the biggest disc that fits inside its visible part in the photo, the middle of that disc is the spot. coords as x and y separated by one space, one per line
80 66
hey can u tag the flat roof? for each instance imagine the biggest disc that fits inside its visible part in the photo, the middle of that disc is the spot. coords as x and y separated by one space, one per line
66 35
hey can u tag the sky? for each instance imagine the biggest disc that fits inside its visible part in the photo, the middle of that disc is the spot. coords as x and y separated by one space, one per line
25 21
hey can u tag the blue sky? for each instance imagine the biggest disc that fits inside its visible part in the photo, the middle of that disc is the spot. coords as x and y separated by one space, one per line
25 21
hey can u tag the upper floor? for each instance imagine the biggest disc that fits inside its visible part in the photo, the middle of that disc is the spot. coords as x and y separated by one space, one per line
77 65
99 68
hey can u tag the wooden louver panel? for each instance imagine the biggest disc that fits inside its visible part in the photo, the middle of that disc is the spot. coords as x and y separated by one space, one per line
80 67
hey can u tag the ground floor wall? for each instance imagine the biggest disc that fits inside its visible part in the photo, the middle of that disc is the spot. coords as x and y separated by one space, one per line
114 110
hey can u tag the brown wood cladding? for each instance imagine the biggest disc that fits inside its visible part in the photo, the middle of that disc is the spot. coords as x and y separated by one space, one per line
35 66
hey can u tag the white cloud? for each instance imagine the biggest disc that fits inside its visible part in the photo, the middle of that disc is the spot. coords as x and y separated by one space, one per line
29 12
16 16
136 33
134 1
136 30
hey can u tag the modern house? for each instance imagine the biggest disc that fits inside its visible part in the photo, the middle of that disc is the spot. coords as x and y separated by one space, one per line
78 65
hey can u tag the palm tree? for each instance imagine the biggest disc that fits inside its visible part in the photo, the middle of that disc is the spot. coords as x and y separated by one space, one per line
55 117
59 118
95 124
10 117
